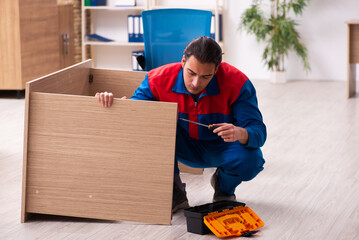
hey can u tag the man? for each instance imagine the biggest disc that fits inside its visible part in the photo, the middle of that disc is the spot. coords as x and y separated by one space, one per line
210 92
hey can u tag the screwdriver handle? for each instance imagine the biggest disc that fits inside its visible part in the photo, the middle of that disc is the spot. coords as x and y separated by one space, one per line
212 127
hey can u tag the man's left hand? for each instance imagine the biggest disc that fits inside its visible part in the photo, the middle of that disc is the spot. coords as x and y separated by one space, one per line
230 133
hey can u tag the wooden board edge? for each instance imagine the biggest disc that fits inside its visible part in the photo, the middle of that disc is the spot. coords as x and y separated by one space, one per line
24 164
30 83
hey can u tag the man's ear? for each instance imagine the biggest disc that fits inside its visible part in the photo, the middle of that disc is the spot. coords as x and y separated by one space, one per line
183 62
215 71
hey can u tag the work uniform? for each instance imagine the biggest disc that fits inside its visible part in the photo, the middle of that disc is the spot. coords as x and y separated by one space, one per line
228 98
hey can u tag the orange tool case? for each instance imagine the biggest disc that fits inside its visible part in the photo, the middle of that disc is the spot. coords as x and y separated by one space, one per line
235 222
224 219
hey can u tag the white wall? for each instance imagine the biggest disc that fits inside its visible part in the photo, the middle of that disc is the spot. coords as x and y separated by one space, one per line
321 28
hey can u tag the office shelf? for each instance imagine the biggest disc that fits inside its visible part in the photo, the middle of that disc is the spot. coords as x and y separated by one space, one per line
111 22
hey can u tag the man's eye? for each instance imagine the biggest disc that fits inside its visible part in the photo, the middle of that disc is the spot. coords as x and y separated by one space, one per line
192 74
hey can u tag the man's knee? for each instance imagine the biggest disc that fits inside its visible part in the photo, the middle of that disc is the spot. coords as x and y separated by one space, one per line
247 164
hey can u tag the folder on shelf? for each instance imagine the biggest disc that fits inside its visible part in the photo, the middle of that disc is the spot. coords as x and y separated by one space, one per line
125 3
136 29
213 27
220 26
135 65
98 2
96 37
130 28
141 29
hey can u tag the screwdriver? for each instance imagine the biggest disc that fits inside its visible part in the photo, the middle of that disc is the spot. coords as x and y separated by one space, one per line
210 127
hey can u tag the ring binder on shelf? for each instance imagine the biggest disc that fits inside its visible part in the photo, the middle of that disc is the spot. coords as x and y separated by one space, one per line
136 31
141 29
135 65
130 28
213 27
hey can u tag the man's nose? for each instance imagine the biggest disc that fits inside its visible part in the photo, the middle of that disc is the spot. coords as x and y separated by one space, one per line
195 82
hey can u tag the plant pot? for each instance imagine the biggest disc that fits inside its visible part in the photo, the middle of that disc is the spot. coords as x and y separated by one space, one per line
278 77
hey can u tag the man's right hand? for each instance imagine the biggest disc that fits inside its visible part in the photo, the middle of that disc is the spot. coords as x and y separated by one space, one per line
106 98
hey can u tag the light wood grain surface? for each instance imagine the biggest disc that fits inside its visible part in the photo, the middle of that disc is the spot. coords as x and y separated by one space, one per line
354 43
29 41
83 160
308 190
10 57
120 83
106 163
66 26
39 36
71 80
124 83
353 56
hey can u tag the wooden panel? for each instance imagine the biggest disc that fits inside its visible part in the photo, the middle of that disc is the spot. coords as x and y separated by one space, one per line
66 35
107 163
10 76
120 83
39 38
124 83
72 80
354 43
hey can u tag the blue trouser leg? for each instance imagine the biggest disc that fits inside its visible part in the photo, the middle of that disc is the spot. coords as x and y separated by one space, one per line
235 163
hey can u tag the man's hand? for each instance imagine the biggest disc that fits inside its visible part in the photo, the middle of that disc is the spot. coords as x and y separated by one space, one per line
106 98
230 133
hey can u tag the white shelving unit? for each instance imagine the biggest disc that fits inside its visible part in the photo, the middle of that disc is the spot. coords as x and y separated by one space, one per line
111 22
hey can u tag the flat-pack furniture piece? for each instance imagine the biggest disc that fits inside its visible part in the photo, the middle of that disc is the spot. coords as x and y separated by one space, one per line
85 160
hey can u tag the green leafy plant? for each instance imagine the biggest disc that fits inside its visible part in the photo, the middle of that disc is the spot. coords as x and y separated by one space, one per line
277 30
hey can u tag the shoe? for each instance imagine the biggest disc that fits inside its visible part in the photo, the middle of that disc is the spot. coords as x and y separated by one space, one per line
218 195
179 199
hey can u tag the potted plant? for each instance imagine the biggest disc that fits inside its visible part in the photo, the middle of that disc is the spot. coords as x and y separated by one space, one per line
278 31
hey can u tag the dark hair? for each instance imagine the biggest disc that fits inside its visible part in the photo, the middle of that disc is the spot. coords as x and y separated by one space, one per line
205 49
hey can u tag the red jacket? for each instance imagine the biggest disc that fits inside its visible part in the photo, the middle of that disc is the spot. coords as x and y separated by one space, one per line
229 97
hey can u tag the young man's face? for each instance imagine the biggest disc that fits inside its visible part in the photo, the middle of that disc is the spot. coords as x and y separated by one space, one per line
197 75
